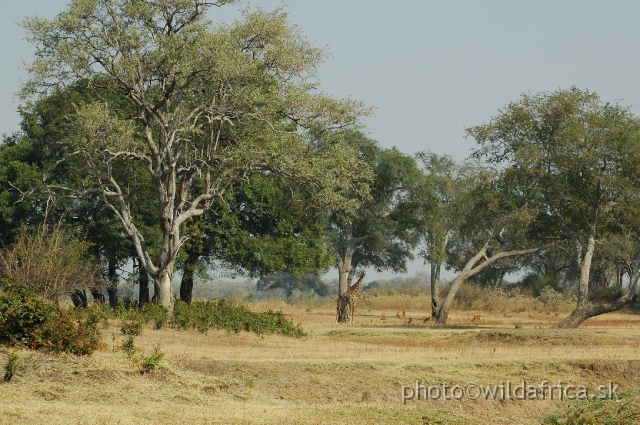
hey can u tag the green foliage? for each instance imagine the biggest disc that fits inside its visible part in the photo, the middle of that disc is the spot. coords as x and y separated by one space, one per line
14 367
22 313
94 314
28 319
131 327
65 333
128 347
290 283
222 102
130 314
624 410
155 313
151 362
204 315
536 283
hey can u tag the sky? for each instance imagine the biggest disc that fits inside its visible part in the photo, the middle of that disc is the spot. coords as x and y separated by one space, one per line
430 68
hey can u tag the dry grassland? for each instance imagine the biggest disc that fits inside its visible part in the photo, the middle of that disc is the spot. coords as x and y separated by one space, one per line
337 374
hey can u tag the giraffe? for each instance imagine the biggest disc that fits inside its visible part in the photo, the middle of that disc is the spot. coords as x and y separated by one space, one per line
350 298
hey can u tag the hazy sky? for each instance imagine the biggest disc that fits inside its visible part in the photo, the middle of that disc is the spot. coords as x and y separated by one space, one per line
431 68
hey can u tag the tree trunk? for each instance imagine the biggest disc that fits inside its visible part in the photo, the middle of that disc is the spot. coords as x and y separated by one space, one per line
584 312
143 281
443 313
112 287
345 273
435 282
164 285
473 266
186 285
583 309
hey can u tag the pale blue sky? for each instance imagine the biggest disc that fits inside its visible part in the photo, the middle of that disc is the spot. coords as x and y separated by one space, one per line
431 68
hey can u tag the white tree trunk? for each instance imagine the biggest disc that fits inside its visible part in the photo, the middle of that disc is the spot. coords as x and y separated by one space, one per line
165 287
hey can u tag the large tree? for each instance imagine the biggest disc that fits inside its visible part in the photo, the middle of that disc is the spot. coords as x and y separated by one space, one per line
576 160
486 228
266 225
444 186
379 229
197 107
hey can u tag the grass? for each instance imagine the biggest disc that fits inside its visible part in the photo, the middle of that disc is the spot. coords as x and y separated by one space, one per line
335 374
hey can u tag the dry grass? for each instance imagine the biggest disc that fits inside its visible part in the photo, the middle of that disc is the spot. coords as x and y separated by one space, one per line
335 375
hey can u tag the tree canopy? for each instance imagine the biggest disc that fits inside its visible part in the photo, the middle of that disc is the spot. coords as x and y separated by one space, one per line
197 107
576 161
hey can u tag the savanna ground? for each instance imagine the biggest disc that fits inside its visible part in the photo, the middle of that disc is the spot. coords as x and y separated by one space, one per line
338 373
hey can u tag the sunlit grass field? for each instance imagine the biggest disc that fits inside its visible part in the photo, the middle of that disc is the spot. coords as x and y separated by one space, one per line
337 374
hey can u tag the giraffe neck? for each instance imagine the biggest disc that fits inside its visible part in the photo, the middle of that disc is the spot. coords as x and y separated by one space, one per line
357 285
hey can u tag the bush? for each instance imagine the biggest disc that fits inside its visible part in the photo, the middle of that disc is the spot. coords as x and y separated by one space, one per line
28 319
150 312
131 327
64 333
50 264
14 367
94 314
128 347
203 315
156 314
22 313
151 362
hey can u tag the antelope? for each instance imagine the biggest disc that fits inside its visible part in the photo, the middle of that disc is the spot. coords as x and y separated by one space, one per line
477 319
429 319
400 315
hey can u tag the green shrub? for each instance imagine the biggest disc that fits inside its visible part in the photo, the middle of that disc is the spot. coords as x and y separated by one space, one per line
65 333
94 314
152 312
156 314
151 362
22 313
625 410
131 327
28 319
14 367
203 315
128 347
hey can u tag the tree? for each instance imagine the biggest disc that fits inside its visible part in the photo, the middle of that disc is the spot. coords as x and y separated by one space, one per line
259 228
45 123
576 160
487 229
379 230
290 283
444 184
195 107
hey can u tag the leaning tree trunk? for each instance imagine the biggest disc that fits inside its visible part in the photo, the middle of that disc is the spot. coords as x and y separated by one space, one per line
186 285
581 313
473 266
435 282
585 309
